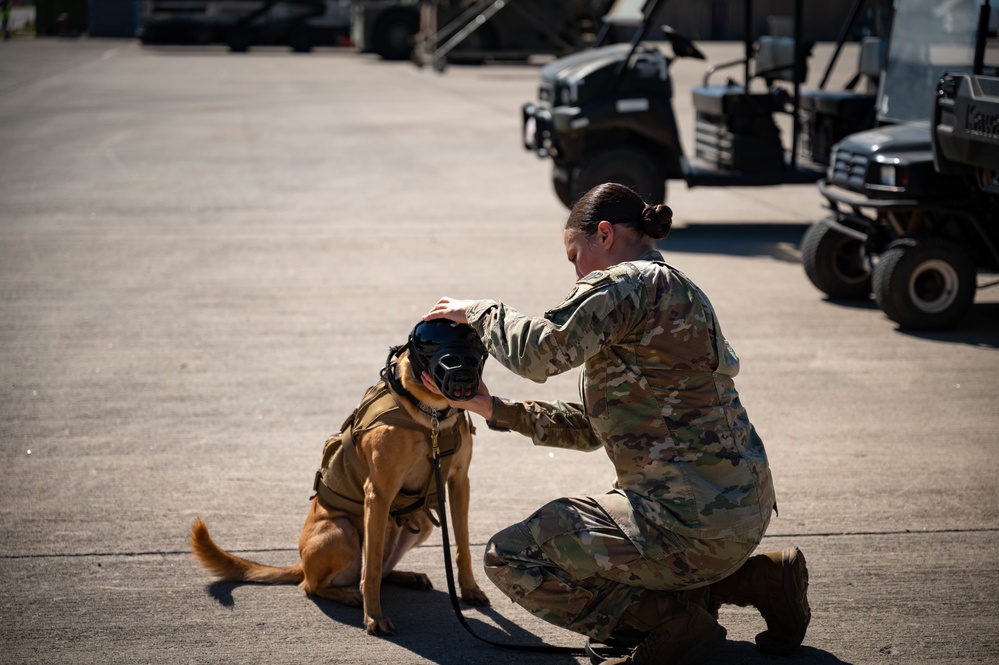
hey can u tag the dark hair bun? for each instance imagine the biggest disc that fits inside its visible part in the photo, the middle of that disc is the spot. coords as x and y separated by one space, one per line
657 220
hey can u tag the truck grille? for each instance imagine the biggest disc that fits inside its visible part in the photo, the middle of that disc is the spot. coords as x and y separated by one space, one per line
848 169
546 96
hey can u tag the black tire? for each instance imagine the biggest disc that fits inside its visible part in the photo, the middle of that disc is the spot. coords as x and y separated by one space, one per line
563 188
300 39
394 34
835 263
924 283
628 166
239 39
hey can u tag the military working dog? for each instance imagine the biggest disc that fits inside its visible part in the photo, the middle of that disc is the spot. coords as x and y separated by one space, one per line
375 488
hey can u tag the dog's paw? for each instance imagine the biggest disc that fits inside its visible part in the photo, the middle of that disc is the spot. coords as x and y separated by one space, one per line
417 581
420 582
379 626
352 597
474 596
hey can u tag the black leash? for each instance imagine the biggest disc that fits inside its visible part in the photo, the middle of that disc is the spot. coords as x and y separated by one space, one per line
540 648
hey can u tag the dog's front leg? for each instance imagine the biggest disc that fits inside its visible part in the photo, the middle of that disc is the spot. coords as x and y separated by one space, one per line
459 490
377 502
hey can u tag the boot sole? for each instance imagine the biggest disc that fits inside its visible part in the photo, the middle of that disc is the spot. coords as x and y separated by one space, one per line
795 575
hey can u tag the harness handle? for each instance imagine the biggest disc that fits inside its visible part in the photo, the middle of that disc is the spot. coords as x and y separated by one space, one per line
534 648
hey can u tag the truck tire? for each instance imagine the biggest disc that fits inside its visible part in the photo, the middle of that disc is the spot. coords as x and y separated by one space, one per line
394 33
836 263
563 188
300 39
628 166
924 283
239 39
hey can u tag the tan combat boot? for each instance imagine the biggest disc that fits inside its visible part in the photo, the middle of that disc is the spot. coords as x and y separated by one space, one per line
776 583
682 632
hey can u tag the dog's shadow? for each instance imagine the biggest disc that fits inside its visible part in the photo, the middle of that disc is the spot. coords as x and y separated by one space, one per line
221 593
426 626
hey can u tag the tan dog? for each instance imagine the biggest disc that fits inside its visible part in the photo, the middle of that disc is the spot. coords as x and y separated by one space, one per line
345 557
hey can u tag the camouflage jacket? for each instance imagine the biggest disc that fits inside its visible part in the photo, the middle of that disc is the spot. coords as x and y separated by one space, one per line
657 394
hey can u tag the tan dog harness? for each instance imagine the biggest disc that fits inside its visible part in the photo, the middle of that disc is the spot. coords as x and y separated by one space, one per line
340 480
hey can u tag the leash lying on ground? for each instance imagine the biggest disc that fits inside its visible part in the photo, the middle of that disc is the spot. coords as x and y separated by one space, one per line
534 648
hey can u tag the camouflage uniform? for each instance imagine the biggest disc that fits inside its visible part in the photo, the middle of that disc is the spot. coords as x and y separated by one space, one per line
693 494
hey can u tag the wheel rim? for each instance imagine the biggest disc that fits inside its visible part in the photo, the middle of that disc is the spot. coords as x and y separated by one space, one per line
933 286
850 262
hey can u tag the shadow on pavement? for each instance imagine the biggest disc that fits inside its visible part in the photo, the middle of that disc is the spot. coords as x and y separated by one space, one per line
427 627
979 328
746 653
221 592
779 241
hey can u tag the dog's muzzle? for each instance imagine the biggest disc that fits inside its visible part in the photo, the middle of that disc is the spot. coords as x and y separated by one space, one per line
457 373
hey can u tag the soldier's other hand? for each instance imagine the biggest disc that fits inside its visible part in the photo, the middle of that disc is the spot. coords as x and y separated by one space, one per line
481 404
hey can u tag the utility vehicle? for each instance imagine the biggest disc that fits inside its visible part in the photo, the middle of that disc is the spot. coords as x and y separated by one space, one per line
606 114
914 203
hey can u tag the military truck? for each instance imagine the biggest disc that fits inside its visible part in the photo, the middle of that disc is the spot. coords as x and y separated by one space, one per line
914 203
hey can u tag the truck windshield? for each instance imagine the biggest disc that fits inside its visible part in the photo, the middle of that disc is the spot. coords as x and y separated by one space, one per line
928 37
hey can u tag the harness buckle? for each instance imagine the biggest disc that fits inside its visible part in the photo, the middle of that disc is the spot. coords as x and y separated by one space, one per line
435 428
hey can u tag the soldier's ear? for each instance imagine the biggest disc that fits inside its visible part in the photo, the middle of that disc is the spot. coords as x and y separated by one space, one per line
605 234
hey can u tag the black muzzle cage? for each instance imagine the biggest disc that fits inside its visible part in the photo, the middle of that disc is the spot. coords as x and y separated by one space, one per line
457 372
451 353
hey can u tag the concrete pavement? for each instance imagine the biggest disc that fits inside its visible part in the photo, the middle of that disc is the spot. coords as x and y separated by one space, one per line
204 258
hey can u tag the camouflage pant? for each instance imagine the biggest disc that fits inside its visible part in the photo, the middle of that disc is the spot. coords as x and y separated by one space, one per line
572 566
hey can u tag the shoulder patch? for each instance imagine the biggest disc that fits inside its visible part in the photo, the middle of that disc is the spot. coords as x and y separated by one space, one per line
583 288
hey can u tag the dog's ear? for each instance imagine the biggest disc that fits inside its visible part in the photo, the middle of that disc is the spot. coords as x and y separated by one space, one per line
403 362
406 373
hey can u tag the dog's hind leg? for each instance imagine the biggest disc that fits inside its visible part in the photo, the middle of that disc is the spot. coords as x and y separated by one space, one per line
331 558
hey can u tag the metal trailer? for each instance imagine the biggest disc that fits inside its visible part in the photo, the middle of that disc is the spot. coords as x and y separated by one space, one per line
241 24
473 30
914 203
479 32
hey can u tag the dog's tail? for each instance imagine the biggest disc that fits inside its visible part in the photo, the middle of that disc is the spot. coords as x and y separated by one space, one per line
231 568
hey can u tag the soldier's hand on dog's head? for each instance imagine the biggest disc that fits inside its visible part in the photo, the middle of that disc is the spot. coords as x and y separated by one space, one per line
451 309
481 404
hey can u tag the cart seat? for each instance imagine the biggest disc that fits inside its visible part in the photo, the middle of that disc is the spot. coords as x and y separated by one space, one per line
774 61
850 102
732 99
831 115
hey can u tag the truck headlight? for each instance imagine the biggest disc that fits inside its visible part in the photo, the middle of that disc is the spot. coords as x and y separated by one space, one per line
893 175
887 175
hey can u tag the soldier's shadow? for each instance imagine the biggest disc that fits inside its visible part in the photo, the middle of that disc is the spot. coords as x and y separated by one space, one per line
427 627
735 652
